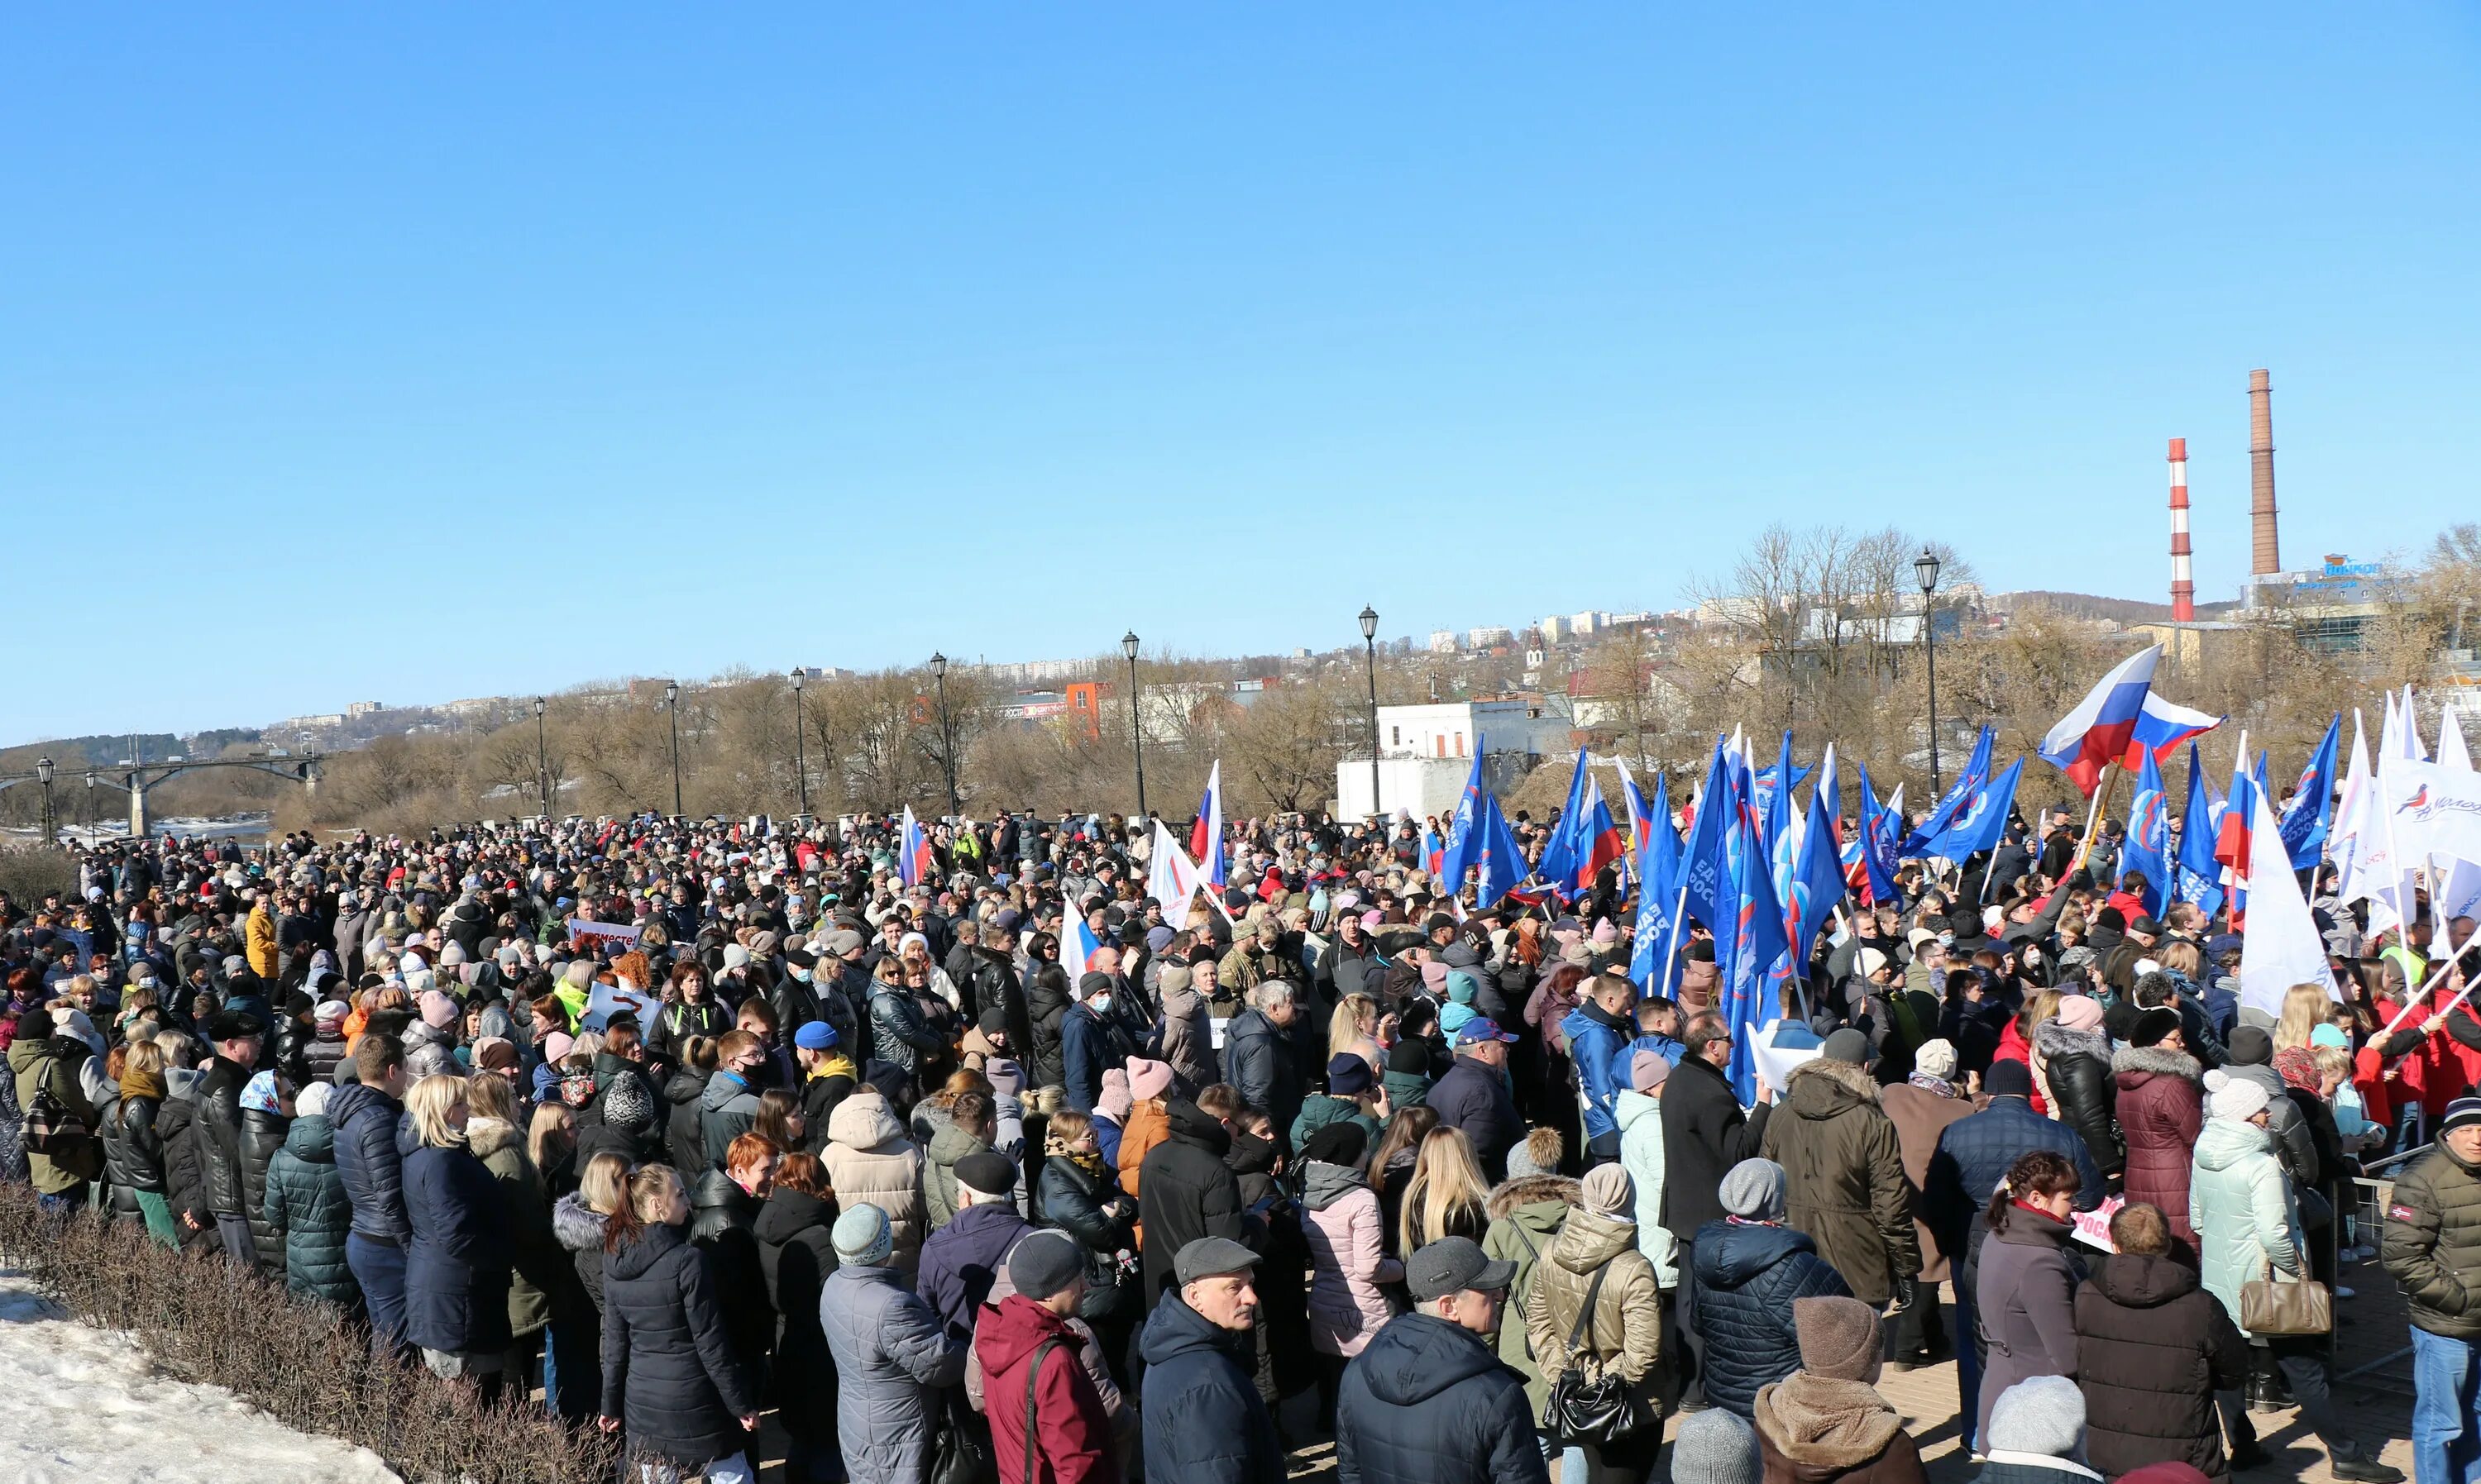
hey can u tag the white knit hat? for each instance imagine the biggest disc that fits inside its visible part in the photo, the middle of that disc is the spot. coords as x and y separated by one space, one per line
2239 1098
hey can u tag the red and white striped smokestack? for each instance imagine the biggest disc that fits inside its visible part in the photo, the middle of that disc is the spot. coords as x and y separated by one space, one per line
2183 587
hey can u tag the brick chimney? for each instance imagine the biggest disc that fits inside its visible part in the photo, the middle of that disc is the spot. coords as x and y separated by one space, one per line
2265 550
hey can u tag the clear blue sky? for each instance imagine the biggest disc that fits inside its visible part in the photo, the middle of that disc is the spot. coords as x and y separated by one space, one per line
419 352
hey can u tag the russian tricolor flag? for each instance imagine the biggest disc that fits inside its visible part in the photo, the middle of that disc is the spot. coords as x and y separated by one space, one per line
1206 836
2118 721
1598 839
913 863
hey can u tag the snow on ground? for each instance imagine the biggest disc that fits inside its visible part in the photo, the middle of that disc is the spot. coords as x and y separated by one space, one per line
85 1405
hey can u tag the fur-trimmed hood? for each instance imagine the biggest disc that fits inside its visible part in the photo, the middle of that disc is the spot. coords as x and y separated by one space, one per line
1533 1189
1819 1088
2054 1040
2156 1061
488 1137
577 1229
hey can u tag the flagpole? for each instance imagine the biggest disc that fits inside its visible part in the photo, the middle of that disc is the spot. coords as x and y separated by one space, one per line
2404 900
2414 1000
2093 810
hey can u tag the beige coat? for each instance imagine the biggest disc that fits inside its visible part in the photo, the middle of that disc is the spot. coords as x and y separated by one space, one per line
870 1161
1625 1334
1187 1032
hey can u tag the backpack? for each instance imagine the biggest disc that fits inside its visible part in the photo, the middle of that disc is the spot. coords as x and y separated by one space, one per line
51 1130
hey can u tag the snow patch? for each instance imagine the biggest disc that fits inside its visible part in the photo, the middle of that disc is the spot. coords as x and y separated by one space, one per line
87 1404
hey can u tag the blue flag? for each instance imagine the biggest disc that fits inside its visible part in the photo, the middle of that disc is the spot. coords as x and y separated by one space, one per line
1456 857
1499 865
1976 772
2149 835
1817 873
1566 847
2311 813
1653 957
2201 875
1979 818
1878 831
1701 857
1750 938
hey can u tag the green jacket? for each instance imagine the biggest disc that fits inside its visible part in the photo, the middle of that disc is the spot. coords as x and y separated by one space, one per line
2433 1243
1318 1109
37 1062
538 1264
1525 1216
306 1208
2242 1208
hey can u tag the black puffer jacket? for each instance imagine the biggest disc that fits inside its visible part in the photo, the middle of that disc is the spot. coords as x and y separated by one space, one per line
369 1159
669 1372
184 1180
262 1134
2084 1093
215 1128
722 1218
2433 1243
1047 1000
1747 1277
580 1233
795 1250
2152 1349
1095 1213
1428 1403
1186 1191
683 1130
133 1151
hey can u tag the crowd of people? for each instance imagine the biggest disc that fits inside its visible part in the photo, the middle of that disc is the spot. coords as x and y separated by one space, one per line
679 1124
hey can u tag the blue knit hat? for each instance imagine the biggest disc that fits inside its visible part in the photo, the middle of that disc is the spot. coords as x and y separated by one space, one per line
862 1236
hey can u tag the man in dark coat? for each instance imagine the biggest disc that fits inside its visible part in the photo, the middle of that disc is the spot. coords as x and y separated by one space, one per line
1264 1059
1472 1096
1846 1171
367 1116
961 1260
2153 1347
723 1216
1090 1042
1205 1422
2432 1247
1427 1401
1185 1189
1704 1133
217 1127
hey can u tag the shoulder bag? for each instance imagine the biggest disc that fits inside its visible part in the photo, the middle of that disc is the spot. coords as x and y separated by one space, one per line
1600 1410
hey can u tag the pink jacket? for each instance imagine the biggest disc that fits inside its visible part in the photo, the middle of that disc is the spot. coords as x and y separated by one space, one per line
1348 1260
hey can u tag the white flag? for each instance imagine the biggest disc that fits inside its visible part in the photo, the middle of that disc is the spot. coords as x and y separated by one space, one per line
2437 812
2279 946
1171 878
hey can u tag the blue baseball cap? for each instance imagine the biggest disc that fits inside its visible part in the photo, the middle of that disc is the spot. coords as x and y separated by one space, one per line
815 1036
1477 1032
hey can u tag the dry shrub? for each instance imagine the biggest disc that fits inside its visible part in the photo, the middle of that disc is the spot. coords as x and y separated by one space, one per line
306 1365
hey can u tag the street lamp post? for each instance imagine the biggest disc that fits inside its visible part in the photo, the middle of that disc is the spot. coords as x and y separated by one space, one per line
1925 568
90 806
1137 728
947 740
542 759
672 706
800 755
1370 646
44 774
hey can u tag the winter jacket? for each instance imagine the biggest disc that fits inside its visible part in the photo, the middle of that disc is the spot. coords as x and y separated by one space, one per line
1072 1441
1747 1276
1844 1169
184 1181
1920 1115
2152 1349
890 1355
796 1254
722 1216
1205 1422
2433 1243
1187 1193
262 1134
1319 1109
1348 1263
727 1109
1595 1037
1263 1063
2295 1144
1704 1133
1089 1046
2076 1067
2025 1302
939 1173
684 1108
539 1270
869 1161
133 1151
1046 1001
670 1374
1816 1430
306 1212
901 1034
321 1055
1149 1125
964 1259
1526 1216
580 1234
366 1121
1089 1208
215 1128
2160 1107
1188 1038
457 1266
1427 1403
2247 1220
1624 1337
1473 1097
1640 1124
1973 1156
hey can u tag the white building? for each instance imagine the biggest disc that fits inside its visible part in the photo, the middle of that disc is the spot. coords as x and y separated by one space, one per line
1426 752
1590 622
1443 641
356 710
1487 637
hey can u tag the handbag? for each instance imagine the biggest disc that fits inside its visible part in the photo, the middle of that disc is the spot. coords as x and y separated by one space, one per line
1601 1411
2268 1307
961 1453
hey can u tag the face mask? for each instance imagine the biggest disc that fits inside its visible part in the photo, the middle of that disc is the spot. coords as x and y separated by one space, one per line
1102 1004
1946 940
801 974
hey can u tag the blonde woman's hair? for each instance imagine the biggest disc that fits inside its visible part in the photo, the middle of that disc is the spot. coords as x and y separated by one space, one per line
1343 1031
1446 1190
2180 956
604 1183
552 1121
2305 1009
178 1049
488 1095
430 1102
145 1057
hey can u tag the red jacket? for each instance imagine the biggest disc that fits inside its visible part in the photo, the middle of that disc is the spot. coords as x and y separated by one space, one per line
1072 1441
